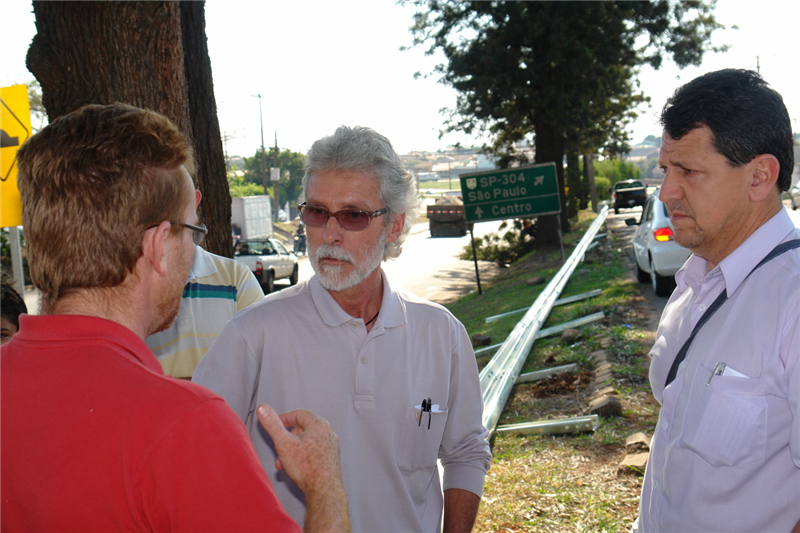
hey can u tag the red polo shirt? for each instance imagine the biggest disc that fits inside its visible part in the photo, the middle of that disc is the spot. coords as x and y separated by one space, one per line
96 438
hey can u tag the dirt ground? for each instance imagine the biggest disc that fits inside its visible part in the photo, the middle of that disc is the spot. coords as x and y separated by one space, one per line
575 483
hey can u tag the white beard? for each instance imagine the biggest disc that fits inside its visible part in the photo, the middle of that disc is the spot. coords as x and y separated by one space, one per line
332 278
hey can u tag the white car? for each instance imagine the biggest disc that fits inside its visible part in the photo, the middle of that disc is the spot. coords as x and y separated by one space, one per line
268 260
658 257
795 195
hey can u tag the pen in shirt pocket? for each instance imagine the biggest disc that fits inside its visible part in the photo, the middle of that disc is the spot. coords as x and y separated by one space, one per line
722 369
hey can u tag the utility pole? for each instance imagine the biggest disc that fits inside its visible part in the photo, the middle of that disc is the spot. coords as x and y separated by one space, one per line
276 183
225 137
265 178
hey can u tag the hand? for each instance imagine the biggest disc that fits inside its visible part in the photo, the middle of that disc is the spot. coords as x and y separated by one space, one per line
309 453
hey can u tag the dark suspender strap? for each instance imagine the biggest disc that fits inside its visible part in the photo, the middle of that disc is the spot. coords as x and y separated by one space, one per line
722 298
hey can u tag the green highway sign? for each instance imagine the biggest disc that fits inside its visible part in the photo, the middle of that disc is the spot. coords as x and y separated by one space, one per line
511 193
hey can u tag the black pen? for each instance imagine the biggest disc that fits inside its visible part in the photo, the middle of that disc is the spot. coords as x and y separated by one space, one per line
424 406
430 406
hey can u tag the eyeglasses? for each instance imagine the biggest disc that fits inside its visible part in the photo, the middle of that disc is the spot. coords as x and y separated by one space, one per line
349 219
198 232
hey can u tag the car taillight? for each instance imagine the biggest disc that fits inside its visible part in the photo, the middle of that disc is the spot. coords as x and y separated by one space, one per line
663 234
259 269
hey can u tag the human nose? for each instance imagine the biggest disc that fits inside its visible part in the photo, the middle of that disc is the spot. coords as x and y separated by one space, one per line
333 231
670 188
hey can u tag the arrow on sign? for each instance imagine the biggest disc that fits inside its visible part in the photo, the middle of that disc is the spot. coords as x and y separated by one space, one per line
478 212
538 181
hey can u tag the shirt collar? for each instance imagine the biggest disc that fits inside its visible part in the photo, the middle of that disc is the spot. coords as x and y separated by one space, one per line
739 263
55 329
392 312
202 265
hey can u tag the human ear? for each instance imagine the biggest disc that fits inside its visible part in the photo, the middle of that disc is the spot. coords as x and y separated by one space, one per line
765 175
396 228
154 247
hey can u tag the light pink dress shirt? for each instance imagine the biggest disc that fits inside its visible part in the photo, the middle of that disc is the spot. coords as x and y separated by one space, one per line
726 450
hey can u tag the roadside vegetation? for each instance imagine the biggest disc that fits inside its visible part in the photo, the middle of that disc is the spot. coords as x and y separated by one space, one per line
567 482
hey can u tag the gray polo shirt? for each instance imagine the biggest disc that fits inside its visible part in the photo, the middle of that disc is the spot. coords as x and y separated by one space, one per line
299 349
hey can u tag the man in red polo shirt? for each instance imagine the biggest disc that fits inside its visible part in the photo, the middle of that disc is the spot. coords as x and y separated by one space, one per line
94 436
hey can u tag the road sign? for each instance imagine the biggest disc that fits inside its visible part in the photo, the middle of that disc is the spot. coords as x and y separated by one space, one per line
511 193
15 123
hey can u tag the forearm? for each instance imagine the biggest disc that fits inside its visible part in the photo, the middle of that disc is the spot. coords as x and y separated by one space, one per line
460 510
796 528
327 510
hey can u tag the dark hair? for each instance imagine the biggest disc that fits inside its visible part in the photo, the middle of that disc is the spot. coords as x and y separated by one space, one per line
91 183
746 117
11 303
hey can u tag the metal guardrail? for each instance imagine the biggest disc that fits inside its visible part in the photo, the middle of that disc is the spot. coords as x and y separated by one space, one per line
576 424
498 376
560 301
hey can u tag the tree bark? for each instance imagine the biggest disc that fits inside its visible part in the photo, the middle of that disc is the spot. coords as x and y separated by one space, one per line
573 184
550 147
133 52
212 180
588 174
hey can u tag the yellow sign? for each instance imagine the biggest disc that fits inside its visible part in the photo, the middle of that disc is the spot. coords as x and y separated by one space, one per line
15 123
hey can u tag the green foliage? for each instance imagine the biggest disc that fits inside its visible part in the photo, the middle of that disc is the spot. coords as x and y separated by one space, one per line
240 187
38 112
603 186
291 165
506 248
572 89
615 170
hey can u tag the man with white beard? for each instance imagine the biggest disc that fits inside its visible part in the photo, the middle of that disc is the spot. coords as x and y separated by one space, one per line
394 374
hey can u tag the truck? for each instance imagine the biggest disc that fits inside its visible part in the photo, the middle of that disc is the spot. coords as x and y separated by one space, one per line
629 193
446 217
268 260
251 218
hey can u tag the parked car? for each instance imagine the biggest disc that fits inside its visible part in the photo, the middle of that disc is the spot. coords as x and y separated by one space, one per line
658 257
795 195
628 193
269 260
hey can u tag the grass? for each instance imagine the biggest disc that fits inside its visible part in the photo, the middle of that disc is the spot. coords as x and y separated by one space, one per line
567 483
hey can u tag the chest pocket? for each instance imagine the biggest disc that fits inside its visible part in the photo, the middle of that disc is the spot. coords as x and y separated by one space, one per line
726 419
419 446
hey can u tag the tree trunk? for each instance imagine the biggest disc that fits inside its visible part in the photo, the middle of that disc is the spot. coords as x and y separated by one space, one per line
212 180
550 147
133 52
574 185
588 173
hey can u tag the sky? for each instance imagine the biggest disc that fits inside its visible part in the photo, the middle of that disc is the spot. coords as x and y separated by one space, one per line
319 64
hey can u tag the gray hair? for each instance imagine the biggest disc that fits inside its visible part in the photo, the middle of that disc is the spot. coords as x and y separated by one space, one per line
365 149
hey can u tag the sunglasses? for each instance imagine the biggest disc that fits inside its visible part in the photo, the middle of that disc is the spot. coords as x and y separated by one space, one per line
349 219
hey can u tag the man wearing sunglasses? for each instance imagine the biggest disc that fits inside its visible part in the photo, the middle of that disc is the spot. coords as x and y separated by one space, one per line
394 374
94 436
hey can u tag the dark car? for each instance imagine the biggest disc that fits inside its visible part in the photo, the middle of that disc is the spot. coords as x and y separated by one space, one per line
629 193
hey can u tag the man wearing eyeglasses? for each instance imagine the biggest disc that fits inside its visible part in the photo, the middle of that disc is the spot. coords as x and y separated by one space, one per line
394 374
218 287
94 436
